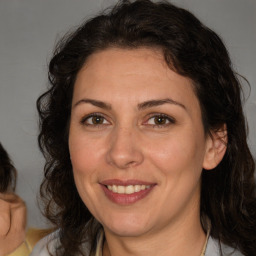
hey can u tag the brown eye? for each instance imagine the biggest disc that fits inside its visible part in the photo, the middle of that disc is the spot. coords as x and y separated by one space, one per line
94 120
160 120
97 120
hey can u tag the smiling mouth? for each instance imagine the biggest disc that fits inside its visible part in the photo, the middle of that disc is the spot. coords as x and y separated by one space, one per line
126 192
130 189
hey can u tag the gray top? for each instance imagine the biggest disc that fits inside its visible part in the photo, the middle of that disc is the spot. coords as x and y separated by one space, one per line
51 242
214 249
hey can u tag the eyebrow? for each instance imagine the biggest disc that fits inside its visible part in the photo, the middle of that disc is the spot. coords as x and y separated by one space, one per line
96 103
155 103
141 106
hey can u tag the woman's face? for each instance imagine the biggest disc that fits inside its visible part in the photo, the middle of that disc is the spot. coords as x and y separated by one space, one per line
137 143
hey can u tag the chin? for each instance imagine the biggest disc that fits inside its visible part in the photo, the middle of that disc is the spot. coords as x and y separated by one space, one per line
129 227
127 231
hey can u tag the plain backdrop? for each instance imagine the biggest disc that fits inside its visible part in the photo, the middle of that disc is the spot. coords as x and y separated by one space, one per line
29 30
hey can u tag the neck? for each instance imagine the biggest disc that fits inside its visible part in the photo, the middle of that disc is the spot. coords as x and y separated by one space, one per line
179 239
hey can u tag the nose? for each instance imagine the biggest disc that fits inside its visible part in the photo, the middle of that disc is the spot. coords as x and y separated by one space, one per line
124 149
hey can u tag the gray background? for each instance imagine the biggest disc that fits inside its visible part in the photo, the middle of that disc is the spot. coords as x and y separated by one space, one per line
28 32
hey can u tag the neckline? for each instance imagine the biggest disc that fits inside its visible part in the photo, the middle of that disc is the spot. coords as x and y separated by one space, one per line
100 239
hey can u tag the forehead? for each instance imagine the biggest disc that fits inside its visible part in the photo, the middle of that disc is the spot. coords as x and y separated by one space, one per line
126 57
114 62
135 74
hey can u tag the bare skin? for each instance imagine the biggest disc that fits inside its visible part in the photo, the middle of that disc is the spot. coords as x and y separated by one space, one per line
135 122
12 223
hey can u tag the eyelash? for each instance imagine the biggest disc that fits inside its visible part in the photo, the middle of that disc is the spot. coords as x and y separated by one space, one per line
171 120
86 118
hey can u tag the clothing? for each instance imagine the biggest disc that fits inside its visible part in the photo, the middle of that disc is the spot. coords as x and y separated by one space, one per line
51 241
32 237
213 249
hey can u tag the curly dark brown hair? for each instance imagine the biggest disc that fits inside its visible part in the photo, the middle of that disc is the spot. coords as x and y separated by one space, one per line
190 49
7 172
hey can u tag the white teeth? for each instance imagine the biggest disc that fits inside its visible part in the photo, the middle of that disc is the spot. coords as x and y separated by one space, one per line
120 189
136 188
130 189
114 188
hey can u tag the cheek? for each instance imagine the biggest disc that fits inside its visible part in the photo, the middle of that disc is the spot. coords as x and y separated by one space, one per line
177 154
85 155
84 162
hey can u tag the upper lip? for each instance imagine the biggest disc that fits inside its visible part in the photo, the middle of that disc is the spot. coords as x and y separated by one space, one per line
112 182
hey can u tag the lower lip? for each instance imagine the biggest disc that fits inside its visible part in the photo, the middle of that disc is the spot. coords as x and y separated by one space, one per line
126 199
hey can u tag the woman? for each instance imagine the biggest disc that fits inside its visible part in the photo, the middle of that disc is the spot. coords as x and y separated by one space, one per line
14 240
12 208
144 137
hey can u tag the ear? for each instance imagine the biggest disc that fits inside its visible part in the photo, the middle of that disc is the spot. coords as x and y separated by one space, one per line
216 146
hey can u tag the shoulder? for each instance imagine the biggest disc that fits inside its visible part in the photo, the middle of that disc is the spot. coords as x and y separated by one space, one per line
46 245
214 248
32 237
